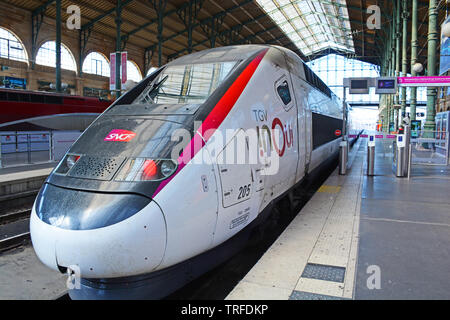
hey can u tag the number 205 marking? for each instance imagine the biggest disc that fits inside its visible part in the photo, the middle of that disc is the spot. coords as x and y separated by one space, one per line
244 191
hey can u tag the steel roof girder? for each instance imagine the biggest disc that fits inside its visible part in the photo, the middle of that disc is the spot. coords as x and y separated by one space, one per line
103 15
43 7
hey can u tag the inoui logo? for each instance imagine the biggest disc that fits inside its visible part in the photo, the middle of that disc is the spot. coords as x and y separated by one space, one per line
120 135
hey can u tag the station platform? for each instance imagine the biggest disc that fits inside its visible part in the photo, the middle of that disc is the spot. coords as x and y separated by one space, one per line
23 178
358 237
19 186
8 173
22 275
362 237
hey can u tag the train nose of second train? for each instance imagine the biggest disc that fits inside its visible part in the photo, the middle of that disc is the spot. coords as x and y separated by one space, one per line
102 235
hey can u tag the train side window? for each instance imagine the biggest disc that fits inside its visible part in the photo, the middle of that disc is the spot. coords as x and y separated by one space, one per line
282 88
3 96
13 96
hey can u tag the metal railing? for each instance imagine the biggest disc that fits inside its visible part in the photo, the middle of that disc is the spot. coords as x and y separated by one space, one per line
18 148
430 147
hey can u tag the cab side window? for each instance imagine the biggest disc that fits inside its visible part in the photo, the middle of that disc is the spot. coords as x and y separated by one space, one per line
284 93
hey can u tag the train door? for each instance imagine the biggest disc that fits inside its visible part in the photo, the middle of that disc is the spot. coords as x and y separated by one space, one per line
239 190
304 127
300 94
284 133
308 132
303 114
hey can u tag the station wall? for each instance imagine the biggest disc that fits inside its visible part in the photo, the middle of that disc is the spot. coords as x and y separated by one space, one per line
18 21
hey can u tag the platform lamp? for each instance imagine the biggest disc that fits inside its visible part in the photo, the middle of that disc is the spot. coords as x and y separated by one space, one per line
418 67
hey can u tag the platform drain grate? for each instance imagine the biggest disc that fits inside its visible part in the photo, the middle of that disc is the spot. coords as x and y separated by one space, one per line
301 295
323 272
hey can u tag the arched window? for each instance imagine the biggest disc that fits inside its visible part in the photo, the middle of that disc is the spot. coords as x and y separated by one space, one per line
133 72
11 47
96 63
47 56
151 70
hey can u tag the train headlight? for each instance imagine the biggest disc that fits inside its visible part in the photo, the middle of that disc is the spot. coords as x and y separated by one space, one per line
67 163
71 160
143 169
167 167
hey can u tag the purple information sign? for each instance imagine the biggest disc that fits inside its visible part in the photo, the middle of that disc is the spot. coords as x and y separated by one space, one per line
424 81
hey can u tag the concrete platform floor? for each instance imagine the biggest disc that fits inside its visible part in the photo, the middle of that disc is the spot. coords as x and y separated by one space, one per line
26 171
315 257
24 277
405 233
363 237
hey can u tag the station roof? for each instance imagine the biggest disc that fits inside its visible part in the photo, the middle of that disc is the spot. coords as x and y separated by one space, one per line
311 28
312 25
234 21
369 43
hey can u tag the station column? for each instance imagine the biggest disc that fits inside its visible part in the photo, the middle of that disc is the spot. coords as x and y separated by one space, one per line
397 59
118 46
414 44
431 66
58 46
405 15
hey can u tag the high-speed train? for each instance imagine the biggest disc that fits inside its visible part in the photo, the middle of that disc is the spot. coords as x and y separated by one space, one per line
144 202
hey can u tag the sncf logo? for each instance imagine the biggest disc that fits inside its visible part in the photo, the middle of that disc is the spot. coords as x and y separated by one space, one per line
120 135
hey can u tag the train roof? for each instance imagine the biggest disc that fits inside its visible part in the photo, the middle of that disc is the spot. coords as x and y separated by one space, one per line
4 91
228 53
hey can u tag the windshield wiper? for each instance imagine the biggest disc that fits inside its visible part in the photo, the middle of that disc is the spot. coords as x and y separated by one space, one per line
152 93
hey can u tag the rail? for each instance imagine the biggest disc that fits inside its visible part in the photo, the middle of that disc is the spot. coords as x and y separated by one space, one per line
19 234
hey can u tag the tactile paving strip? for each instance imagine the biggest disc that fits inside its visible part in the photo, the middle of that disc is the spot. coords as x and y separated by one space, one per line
322 272
301 295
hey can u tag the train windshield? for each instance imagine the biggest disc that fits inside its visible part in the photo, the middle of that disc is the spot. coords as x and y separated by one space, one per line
186 84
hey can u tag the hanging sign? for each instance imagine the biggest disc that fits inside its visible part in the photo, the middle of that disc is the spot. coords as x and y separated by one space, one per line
443 81
124 58
112 68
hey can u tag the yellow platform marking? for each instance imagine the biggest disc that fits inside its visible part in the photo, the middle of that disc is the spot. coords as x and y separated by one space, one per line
329 189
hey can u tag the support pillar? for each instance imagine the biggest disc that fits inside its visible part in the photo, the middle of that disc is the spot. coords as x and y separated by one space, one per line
393 70
397 58
432 43
118 46
414 45
405 16
79 86
160 6
58 45
31 80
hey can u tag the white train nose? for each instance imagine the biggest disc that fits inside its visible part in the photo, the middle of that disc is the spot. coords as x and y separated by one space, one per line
104 252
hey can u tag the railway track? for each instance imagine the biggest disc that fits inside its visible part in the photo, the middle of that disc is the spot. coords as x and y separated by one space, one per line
14 216
15 210
14 229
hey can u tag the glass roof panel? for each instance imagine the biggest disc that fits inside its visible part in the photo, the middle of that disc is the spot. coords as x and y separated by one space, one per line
306 23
